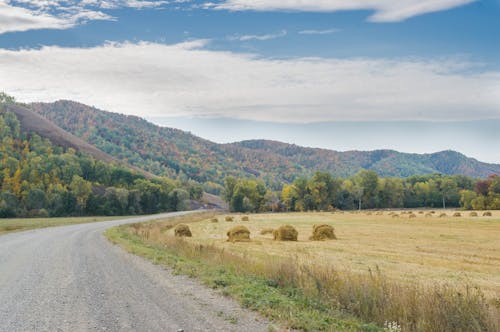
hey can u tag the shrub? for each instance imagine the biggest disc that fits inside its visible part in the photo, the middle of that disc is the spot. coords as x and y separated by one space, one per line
238 234
285 233
229 219
267 231
487 214
457 214
245 218
473 214
323 232
182 230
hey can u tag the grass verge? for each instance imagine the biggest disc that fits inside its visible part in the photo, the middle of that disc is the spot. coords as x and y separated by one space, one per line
309 297
23 224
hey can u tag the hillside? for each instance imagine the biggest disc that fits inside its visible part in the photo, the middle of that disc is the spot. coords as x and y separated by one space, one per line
175 153
46 171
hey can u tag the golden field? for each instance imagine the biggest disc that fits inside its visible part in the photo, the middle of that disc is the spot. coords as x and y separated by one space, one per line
427 250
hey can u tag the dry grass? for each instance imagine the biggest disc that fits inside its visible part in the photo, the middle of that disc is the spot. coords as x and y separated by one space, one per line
422 275
449 249
22 224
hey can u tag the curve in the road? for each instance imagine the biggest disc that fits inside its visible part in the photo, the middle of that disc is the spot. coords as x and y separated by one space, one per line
70 278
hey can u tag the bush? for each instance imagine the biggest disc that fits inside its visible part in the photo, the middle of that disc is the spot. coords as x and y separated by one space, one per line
323 232
182 230
285 233
245 218
238 234
229 219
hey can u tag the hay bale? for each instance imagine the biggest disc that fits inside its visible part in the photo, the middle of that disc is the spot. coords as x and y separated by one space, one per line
238 234
245 218
323 232
285 233
214 220
433 212
428 215
368 213
266 231
473 214
487 214
379 213
412 215
420 212
442 215
229 218
182 230
457 214
395 215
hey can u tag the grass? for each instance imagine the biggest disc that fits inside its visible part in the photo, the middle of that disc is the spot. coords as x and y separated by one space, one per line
22 224
312 285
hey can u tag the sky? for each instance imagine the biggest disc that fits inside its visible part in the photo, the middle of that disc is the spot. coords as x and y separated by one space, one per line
411 75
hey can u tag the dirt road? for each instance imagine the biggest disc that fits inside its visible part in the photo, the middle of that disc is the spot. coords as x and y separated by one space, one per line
71 278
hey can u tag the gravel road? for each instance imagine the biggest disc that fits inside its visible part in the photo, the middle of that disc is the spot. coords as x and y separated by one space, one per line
70 278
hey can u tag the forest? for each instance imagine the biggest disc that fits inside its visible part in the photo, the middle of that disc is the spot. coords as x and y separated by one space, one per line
365 190
38 179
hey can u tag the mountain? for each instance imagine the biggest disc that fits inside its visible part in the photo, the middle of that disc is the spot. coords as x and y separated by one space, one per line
45 171
175 153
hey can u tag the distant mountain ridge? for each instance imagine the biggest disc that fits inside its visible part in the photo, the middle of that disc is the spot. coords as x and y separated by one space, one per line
172 152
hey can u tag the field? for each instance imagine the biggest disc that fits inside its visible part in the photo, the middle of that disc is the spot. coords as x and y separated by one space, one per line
418 273
426 249
22 224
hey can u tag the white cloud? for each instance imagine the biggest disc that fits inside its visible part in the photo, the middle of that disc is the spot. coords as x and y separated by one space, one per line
384 10
280 34
189 80
319 32
24 15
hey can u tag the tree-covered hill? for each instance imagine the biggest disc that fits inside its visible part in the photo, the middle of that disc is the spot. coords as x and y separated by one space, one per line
178 154
40 178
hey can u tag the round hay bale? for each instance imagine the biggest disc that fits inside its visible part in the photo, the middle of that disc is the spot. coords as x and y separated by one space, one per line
379 213
442 215
323 232
229 218
238 234
412 215
395 215
182 230
285 233
214 220
245 218
457 214
473 214
368 213
266 231
420 212
433 212
487 214
428 215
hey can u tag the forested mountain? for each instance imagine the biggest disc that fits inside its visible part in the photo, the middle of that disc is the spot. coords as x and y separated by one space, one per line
178 154
41 177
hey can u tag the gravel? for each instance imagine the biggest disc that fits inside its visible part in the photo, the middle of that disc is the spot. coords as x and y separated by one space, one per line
70 278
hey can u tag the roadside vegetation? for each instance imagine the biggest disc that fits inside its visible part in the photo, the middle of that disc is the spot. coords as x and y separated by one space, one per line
20 224
301 285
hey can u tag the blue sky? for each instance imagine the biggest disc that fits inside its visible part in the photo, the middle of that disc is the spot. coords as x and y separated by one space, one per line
262 66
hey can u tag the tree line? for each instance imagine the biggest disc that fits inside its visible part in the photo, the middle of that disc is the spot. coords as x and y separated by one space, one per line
40 179
365 190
